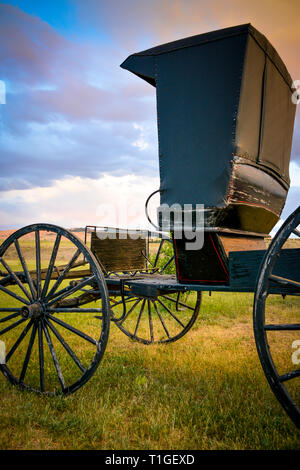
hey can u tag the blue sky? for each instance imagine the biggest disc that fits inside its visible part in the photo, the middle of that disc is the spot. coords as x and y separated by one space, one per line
78 133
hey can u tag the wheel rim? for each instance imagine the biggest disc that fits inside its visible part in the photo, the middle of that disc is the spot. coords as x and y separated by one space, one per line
276 322
163 319
52 339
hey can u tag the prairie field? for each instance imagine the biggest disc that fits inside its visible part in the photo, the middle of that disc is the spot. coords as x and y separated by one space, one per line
205 391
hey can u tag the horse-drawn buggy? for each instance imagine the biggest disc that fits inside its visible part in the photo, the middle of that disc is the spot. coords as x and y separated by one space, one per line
225 124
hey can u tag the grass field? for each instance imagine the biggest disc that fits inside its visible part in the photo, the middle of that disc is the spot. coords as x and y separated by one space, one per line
205 391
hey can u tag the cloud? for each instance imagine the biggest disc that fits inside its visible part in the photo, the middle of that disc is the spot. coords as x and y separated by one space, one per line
75 201
295 154
73 149
293 197
140 22
31 52
292 202
74 117
69 109
79 80
135 25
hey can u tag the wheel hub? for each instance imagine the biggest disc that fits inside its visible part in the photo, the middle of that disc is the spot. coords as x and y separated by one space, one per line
35 310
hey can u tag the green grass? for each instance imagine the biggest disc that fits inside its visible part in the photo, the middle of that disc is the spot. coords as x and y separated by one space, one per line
206 391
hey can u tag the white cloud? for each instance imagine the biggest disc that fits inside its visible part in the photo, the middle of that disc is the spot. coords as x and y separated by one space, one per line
141 143
294 174
109 200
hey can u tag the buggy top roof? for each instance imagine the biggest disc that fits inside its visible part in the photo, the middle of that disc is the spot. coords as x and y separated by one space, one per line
146 69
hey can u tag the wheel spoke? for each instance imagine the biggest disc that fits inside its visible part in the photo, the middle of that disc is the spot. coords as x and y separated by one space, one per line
66 346
38 262
158 253
150 321
289 326
43 329
289 375
9 317
54 357
15 296
14 325
15 277
72 290
41 357
25 269
178 302
161 319
75 310
166 265
73 330
63 274
6 278
272 354
172 314
28 353
129 311
127 300
19 340
284 281
139 318
51 265
10 309
66 289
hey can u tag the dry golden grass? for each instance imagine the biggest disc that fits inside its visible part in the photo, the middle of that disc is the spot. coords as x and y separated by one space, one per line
205 391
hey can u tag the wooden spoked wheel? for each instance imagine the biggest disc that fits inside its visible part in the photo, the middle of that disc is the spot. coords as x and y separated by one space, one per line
276 317
53 343
160 319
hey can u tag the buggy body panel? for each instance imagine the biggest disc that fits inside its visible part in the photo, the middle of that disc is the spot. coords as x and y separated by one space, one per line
225 125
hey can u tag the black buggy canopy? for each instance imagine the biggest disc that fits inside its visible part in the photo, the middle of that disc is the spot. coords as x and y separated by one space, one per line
225 124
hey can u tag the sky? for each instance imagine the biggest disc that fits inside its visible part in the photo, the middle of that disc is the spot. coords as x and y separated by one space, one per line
78 134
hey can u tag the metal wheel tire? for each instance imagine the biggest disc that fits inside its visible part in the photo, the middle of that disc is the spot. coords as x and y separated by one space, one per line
163 319
53 343
274 327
